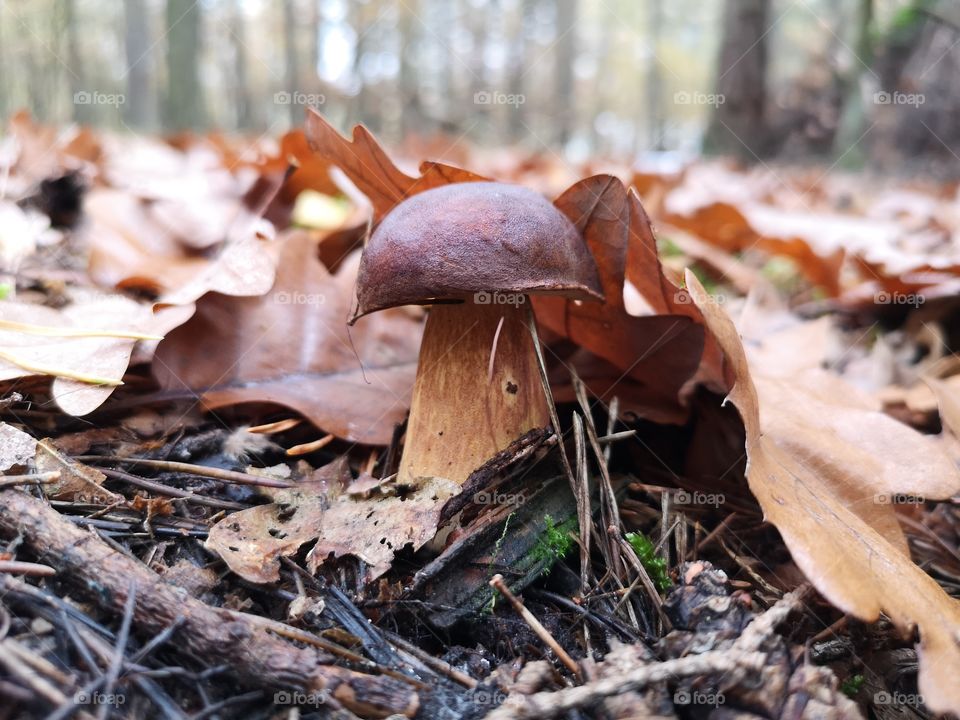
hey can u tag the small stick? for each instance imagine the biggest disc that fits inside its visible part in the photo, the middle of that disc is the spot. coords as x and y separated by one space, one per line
15 567
201 470
30 479
431 662
162 489
274 427
311 446
500 586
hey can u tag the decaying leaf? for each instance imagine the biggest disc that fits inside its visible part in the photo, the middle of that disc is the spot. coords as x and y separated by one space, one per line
17 448
372 529
846 559
77 482
292 347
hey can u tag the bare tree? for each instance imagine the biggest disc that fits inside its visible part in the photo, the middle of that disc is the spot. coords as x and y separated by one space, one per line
183 107
292 62
738 125
139 110
564 52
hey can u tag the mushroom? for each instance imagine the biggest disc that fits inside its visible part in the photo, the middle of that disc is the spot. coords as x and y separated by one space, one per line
474 251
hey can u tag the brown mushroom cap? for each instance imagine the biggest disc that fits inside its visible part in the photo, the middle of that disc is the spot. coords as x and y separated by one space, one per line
448 243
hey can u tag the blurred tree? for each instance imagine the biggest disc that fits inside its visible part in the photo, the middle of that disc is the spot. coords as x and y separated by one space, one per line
412 108
564 52
291 65
242 100
738 123
83 112
183 105
139 111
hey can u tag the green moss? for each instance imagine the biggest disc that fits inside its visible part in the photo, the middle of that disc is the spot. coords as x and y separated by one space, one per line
555 542
655 565
851 686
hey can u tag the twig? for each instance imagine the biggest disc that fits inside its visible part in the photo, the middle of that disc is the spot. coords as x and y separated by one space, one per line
252 653
546 705
230 476
528 617
15 567
162 489
30 479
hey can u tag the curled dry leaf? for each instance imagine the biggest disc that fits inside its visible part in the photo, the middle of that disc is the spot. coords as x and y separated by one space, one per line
251 542
852 564
104 358
370 168
292 347
655 355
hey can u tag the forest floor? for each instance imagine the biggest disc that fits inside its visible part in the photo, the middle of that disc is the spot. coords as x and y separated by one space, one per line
749 509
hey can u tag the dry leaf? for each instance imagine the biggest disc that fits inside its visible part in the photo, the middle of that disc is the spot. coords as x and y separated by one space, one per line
292 347
16 447
846 559
252 541
77 482
655 355
98 357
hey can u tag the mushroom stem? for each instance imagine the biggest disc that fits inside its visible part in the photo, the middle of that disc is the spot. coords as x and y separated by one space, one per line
461 414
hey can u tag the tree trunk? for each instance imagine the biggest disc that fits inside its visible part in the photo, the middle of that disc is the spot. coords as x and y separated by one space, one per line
241 96
183 107
738 124
564 53
83 112
292 65
139 110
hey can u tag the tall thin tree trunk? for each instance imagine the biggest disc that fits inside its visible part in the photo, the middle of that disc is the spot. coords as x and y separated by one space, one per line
738 124
655 121
183 107
292 64
139 110
564 52
83 112
245 115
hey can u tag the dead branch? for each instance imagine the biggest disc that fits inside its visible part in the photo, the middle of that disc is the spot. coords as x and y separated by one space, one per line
217 636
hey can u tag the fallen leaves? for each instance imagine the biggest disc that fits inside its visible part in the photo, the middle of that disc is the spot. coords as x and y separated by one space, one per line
369 527
852 564
83 345
292 347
